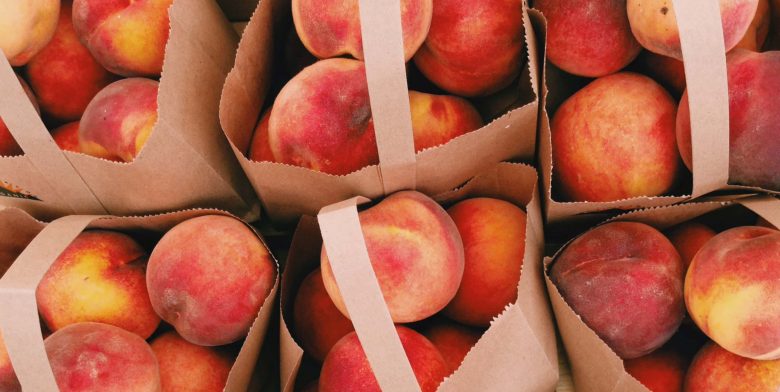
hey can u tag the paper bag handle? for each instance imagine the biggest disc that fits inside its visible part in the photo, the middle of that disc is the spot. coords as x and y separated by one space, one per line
346 248
765 206
383 49
701 39
19 316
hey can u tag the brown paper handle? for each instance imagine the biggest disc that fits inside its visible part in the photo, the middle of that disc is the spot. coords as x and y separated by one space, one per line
380 24
31 134
765 206
701 38
346 248
19 317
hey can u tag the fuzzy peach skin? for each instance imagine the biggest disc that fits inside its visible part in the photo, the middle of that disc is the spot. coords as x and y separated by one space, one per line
99 277
754 120
688 238
127 37
625 280
654 24
318 323
732 294
416 252
208 277
588 38
26 27
346 367
614 139
119 120
64 74
188 367
453 341
493 234
8 145
259 147
331 28
717 370
67 137
474 47
437 119
8 380
667 71
757 32
663 370
100 357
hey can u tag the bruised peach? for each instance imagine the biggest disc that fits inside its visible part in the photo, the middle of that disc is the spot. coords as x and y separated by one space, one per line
99 277
437 119
756 35
64 74
663 370
208 277
331 28
188 367
625 280
119 120
8 145
731 291
416 253
127 37
346 367
454 341
26 27
588 38
493 234
614 139
8 380
67 137
688 238
667 71
101 357
655 25
717 370
260 148
474 47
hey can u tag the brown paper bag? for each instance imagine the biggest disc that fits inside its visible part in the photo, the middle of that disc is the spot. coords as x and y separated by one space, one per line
701 35
19 319
518 352
594 366
288 192
186 161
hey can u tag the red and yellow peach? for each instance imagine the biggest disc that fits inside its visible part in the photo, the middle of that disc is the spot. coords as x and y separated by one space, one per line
717 370
26 27
188 367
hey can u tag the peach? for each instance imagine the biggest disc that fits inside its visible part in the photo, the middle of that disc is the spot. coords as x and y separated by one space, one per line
208 277
119 120
667 71
416 252
493 234
188 367
453 341
67 137
260 148
8 380
655 25
8 145
688 238
64 74
99 277
127 37
625 280
663 370
331 28
588 38
717 370
318 323
26 27
346 367
757 32
437 119
101 357
614 139
732 294
474 47
754 120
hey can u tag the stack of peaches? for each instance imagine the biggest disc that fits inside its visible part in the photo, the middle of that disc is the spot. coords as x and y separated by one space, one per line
104 298
93 68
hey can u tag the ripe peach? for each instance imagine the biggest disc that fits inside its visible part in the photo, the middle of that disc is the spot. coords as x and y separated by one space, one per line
8 145
453 341
416 252
318 323
336 31
8 380
667 71
588 38
64 74
493 234
67 137
625 280
663 370
101 357
26 27
346 367
437 119
99 277
260 148
208 277
754 120
731 291
188 367
757 32
119 120
717 370
688 238
127 37
474 47
614 139
655 25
